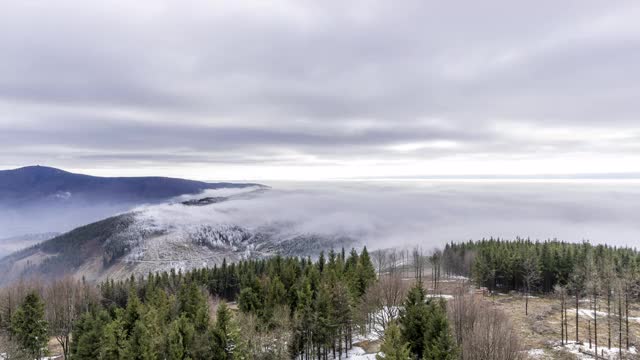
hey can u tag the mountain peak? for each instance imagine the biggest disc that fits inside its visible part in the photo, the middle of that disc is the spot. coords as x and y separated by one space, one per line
39 169
37 183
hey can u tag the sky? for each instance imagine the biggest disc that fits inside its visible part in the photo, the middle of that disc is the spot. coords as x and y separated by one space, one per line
312 90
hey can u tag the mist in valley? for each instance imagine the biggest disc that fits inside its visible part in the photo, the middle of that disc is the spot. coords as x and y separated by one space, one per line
378 214
26 225
425 213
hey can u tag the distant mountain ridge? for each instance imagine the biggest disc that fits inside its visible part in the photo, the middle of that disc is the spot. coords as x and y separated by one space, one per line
139 242
40 183
11 244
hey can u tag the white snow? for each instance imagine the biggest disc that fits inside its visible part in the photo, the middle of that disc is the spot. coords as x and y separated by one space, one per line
457 277
441 296
357 353
536 354
57 357
582 351
601 314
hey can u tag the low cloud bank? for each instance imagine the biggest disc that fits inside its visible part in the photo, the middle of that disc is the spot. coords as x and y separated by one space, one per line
384 214
428 213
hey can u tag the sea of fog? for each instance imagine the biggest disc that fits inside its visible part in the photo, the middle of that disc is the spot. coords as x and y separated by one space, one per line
401 213
433 212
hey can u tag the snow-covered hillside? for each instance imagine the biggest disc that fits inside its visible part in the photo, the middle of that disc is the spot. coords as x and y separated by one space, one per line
184 233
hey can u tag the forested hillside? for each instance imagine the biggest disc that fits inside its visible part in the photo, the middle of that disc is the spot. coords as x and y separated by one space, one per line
519 264
282 308
391 302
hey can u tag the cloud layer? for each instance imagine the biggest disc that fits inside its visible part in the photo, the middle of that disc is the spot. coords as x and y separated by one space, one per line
320 89
387 214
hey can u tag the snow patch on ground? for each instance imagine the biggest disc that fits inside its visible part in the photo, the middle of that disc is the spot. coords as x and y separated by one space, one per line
57 357
357 353
601 314
440 296
536 354
582 351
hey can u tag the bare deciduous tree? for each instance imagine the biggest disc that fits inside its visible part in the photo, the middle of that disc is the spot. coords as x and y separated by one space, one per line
481 330
531 278
393 259
593 288
380 260
418 263
65 300
383 300
266 342
561 293
436 263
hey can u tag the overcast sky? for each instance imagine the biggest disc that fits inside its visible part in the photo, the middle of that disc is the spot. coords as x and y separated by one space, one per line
320 89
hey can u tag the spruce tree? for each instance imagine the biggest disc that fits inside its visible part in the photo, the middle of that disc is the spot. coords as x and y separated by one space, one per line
114 344
192 303
438 342
29 327
248 301
366 272
180 339
141 343
88 334
228 334
414 320
393 347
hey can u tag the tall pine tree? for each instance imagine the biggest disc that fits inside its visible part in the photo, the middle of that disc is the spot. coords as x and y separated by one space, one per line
29 327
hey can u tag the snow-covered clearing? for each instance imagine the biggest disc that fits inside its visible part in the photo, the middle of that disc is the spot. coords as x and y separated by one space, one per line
357 353
536 354
582 351
601 314
440 296
57 357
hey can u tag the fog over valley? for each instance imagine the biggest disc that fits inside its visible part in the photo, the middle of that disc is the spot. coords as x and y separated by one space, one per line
381 213
319 180
430 213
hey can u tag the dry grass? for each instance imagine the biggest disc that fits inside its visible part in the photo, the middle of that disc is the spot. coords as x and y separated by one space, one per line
540 329
370 347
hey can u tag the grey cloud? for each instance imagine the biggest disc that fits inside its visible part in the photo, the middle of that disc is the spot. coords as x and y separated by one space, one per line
298 78
432 213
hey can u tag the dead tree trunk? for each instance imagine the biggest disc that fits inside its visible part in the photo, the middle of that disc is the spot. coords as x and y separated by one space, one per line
620 324
626 312
609 317
577 307
562 321
595 322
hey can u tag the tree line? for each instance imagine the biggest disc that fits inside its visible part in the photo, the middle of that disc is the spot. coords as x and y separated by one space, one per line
604 278
276 308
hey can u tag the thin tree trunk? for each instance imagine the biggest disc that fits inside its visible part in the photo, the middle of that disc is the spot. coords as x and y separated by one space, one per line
526 303
626 314
620 325
595 322
577 307
566 323
609 318
562 321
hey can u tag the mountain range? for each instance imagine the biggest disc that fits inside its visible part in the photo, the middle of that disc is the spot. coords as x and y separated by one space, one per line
171 224
45 184
37 200
178 235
